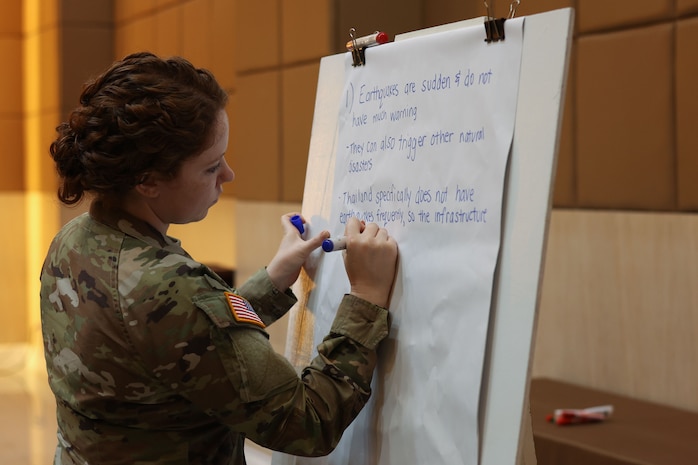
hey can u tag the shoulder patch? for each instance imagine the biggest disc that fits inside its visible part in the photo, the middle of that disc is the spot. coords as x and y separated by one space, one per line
242 310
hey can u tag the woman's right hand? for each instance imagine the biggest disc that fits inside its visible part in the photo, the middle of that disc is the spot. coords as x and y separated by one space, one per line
370 260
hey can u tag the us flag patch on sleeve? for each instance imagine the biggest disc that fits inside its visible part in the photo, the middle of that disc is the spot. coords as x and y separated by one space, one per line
242 310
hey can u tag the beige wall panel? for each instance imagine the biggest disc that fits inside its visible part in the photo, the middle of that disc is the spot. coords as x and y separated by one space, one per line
49 13
11 83
125 10
687 113
160 4
87 51
197 33
135 36
456 9
526 8
49 65
42 223
68 213
38 15
299 88
86 46
45 172
306 29
42 103
223 46
11 154
604 14
438 12
619 305
684 7
11 18
31 73
259 233
35 140
565 186
211 240
501 9
447 11
366 16
624 132
40 172
13 276
254 144
168 31
87 11
257 34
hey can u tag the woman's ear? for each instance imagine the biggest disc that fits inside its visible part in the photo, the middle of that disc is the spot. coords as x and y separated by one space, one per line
148 186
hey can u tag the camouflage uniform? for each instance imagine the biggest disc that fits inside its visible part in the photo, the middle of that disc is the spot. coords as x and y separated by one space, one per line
151 362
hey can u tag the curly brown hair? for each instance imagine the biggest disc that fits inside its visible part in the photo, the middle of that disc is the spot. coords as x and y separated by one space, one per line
144 114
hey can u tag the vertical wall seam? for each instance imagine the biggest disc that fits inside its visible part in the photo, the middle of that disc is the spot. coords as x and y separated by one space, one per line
674 111
572 79
280 87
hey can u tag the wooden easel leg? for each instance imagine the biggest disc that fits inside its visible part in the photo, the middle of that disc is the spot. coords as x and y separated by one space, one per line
527 448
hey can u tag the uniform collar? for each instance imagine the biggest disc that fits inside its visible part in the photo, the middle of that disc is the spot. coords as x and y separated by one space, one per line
130 225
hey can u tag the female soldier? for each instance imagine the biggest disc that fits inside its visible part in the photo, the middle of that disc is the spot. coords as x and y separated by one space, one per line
151 356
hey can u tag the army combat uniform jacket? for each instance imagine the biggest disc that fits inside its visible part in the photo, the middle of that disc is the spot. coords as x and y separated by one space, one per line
153 359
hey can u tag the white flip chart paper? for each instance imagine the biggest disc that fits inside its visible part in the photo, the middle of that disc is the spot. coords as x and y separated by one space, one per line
424 134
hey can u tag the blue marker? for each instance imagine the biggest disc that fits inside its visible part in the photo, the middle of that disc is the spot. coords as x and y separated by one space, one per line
332 245
298 223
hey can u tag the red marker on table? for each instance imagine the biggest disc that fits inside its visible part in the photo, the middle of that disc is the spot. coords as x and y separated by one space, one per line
577 416
377 38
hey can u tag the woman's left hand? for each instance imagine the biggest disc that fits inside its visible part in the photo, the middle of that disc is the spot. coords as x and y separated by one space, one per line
286 265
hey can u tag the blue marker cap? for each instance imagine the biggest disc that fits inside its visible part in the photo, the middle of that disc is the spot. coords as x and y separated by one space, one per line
298 223
333 245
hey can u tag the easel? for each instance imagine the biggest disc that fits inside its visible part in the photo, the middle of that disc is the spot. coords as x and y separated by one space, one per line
505 433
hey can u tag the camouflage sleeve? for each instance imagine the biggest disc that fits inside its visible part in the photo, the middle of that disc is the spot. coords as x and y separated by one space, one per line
269 303
307 416
336 384
229 370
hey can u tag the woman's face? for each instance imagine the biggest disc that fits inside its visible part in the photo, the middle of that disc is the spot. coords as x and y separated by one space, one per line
188 196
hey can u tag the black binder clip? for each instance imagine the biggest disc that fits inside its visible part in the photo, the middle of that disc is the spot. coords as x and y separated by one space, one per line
358 47
494 27
358 54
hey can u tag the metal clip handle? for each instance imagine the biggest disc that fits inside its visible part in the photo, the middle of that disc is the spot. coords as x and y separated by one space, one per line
357 53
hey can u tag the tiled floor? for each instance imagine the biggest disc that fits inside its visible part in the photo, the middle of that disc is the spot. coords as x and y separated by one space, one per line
28 426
